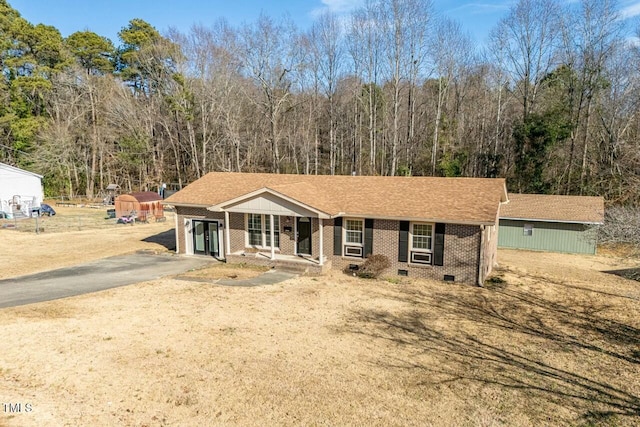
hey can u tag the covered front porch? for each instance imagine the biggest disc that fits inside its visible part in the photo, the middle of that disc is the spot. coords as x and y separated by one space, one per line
267 228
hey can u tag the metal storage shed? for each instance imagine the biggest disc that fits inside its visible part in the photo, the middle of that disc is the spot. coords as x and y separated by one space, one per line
141 205
551 223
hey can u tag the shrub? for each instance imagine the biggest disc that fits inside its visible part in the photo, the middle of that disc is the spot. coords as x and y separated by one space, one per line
621 225
373 266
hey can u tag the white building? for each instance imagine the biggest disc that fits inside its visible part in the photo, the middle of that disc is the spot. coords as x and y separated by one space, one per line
20 190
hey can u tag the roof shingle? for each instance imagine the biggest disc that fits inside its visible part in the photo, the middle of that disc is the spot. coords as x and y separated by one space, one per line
453 200
577 209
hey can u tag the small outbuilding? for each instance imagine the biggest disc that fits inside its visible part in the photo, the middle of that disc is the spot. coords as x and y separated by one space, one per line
20 190
551 223
142 205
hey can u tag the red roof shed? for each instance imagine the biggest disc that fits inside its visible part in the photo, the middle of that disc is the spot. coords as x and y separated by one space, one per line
142 204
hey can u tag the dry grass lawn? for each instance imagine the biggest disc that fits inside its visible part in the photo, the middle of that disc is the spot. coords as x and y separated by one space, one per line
551 340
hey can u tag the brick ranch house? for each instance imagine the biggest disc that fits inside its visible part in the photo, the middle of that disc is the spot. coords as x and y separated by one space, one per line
429 227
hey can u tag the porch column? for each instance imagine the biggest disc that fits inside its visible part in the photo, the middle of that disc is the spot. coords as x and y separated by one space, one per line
175 214
227 240
321 258
273 242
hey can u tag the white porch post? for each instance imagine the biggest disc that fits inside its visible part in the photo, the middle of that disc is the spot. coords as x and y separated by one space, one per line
175 214
321 258
272 232
227 240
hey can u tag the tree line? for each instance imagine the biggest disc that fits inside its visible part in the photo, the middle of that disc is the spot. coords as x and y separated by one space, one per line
550 102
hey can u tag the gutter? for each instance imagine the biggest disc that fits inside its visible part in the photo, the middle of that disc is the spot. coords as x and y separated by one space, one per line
552 220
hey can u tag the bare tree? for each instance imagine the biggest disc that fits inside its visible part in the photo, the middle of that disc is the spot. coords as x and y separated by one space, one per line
269 53
528 37
327 56
365 48
451 51
590 38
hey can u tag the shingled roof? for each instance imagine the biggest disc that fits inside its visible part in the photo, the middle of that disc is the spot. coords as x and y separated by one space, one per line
572 209
452 200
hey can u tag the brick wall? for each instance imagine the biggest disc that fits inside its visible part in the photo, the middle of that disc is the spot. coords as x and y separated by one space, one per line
461 244
287 238
460 251
236 231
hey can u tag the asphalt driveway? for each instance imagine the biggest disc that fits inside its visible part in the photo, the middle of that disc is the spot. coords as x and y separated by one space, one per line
92 277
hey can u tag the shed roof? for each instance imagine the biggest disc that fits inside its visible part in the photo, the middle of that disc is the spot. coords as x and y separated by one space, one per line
571 209
453 200
142 196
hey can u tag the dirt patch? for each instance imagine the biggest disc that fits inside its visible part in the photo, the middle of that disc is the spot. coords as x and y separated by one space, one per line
551 340
227 271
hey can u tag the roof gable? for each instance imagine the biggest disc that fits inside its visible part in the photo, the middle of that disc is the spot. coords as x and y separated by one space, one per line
268 201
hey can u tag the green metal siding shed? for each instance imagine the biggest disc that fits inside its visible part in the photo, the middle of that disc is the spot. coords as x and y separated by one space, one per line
547 236
551 223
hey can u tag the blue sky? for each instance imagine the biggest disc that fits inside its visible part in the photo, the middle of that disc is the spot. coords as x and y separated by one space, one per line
107 17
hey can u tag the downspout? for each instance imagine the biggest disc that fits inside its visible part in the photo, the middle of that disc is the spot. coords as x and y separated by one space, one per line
480 279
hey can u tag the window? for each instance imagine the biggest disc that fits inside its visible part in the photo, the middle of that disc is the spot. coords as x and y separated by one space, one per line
254 227
353 237
259 232
353 233
421 239
528 230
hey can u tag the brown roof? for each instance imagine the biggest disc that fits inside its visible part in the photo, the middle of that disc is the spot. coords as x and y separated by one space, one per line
454 200
142 196
575 209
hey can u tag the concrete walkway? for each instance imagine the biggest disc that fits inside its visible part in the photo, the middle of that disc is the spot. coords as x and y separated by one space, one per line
95 276
270 277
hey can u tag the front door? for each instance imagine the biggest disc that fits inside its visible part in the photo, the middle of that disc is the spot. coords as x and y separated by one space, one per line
304 236
206 239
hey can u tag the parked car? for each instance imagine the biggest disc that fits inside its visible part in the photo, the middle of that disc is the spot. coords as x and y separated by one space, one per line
45 209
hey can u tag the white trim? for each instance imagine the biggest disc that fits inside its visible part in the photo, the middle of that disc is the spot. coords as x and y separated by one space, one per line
175 218
356 254
552 220
345 244
263 233
413 250
272 236
320 229
223 205
227 240
188 236
427 254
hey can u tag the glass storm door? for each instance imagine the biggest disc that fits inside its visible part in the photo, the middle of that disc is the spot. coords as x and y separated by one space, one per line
304 236
205 238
